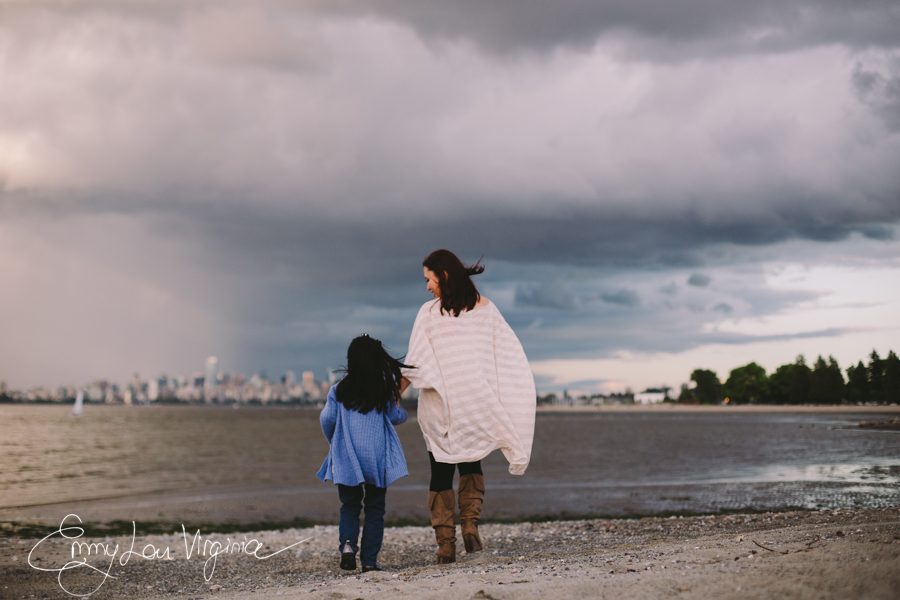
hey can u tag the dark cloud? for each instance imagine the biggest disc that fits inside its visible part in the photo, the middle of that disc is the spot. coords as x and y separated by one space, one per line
532 24
547 295
542 381
877 232
670 289
881 92
303 161
606 338
379 251
699 280
623 297
305 284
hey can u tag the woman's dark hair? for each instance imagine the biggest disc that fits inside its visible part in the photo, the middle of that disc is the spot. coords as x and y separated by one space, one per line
372 377
458 293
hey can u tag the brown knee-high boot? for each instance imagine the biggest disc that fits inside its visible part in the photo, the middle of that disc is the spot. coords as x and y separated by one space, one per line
471 495
442 519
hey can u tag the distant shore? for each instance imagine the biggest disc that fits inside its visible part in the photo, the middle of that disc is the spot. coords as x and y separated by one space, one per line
663 407
669 407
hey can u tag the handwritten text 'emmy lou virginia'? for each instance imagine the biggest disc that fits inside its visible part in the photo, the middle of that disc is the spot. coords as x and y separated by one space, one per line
210 549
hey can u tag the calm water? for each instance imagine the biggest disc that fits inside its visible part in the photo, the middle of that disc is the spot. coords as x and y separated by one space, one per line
188 463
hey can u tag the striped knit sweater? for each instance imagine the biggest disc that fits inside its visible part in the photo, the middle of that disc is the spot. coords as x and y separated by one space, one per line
477 391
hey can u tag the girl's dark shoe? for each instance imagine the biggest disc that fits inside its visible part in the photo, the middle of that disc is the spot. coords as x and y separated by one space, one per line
366 569
348 558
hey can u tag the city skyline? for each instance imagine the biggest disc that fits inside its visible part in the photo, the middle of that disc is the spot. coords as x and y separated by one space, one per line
210 385
237 387
652 189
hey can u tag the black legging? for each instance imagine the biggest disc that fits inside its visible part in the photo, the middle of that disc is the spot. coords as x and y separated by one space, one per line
442 473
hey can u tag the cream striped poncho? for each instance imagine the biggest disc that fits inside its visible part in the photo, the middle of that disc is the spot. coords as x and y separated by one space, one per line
476 389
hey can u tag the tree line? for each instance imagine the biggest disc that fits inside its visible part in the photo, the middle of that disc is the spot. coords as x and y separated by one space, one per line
797 383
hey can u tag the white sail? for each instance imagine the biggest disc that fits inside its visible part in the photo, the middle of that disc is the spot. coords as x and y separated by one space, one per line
78 409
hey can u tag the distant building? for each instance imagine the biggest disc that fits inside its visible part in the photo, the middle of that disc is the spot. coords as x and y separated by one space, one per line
137 389
620 398
95 391
650 396
210 378
310 387
256 382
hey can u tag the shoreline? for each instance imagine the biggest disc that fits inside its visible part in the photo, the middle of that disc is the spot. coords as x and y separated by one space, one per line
717 409
661 407
34 529
801 554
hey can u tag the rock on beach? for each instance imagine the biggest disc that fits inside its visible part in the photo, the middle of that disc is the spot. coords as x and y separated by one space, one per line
888 424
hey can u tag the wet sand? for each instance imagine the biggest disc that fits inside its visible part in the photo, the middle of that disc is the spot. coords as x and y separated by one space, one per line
802 555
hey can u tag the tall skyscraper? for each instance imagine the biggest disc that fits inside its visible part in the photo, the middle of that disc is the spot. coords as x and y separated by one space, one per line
153 390
309 386
210 379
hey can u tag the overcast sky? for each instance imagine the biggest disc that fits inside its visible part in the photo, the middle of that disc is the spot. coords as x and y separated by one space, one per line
654 186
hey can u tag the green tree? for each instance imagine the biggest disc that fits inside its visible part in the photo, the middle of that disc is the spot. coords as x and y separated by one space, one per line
838 385
708 390
780 384
876 376
891 384
826 384
800 380
747 384
857 383
687 395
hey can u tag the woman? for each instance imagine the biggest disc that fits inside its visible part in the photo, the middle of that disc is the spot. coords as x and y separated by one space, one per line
476 395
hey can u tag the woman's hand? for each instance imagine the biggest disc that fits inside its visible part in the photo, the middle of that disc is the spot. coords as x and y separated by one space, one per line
404 383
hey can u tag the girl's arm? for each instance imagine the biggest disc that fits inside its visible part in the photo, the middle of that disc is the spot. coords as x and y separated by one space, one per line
396 414
404 383
328 417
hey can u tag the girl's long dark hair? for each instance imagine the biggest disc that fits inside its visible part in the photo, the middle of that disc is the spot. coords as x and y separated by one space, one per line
372 377
458 293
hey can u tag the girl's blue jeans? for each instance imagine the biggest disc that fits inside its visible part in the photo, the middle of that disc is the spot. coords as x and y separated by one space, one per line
353 497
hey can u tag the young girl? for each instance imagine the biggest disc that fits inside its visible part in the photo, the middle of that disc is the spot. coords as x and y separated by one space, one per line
365 455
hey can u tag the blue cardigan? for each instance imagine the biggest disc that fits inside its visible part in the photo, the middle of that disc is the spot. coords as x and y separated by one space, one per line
364 447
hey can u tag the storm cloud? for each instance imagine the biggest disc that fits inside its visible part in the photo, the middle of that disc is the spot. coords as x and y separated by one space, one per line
699 280
265 179
695 24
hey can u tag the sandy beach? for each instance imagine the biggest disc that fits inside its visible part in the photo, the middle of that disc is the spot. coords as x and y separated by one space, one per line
803 554
729 548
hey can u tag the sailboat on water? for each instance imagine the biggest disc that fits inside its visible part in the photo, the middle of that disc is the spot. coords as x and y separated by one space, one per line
78 409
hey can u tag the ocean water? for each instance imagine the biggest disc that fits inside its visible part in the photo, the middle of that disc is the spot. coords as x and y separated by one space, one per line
177 463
